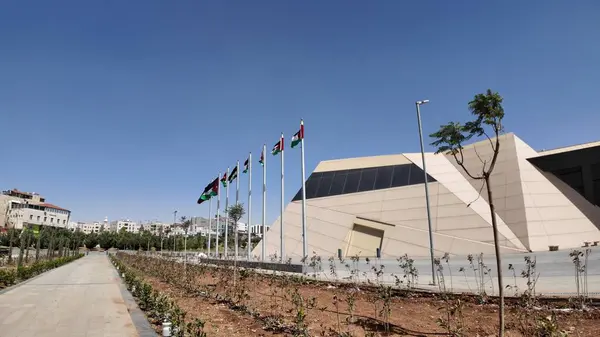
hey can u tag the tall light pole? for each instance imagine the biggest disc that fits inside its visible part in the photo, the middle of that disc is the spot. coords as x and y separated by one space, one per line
418 104
174 236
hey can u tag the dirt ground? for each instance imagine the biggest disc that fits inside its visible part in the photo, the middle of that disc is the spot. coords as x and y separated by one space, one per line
414 315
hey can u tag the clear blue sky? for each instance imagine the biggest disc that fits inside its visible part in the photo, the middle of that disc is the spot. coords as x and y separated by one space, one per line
129 108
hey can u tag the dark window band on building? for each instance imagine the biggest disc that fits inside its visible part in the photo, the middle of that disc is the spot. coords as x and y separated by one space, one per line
331 183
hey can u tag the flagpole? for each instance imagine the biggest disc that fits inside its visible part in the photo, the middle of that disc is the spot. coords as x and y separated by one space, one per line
264 205
218 216
227 215
209 220
237 200
249 204
304 239
282 204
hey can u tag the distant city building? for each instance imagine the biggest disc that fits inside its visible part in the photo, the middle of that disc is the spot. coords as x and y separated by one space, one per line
19 209
128 225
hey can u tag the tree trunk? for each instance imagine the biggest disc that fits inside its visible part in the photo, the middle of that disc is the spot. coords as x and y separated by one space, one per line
50 244
38 246
10 245
21 247
27 243
498 258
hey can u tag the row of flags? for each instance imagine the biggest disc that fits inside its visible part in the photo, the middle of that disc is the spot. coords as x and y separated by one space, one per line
212 189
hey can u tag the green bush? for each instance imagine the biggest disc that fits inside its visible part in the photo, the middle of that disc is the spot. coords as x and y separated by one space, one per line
11 276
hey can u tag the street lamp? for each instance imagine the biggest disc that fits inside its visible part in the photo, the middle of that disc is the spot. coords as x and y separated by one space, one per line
418 104
174 234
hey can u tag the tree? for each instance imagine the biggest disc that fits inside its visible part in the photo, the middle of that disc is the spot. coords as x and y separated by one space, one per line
235 212
449 139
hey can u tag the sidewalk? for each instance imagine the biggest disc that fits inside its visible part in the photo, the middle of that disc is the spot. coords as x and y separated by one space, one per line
80 299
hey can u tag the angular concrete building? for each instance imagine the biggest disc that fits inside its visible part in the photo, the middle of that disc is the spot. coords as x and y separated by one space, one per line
542 199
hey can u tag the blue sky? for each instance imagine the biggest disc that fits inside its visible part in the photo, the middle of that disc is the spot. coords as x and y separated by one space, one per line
127 109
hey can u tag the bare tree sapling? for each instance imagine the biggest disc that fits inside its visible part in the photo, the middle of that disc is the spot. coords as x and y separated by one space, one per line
450 138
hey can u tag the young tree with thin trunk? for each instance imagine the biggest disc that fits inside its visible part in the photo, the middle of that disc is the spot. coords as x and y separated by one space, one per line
235 213
450 138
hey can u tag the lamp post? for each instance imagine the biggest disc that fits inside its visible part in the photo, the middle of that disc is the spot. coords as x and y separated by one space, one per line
174 236
418 104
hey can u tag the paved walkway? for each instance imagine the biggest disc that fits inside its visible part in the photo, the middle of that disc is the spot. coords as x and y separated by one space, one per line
82 298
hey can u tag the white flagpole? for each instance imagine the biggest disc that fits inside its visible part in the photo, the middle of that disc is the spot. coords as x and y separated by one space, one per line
237 200
218 216
304 239
281 143
209 222
264 205
249 224
226 214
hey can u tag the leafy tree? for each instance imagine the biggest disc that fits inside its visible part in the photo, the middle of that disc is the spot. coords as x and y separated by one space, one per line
450 138
91 240
235 213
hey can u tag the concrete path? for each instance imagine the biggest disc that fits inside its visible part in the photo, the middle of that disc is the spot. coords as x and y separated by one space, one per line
82 298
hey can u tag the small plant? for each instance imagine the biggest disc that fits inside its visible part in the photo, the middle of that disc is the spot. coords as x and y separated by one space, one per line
514 286
315 264
301 307
452 319
548 327
378 272
531 275
351 302
580 260
196 328
440 275
446 258
385 294
464 271
333 267
355 274
336 304
411 273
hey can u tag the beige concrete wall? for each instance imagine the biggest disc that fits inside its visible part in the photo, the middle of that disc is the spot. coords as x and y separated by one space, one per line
457 228
362 162
555 214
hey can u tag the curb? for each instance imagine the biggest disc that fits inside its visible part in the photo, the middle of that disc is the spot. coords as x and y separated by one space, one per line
14 286
139 319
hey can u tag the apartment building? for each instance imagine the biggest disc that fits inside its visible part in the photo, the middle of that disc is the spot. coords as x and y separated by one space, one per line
20 209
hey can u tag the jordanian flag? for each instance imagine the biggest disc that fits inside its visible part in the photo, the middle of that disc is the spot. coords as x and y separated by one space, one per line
210 191
278 147
224 179
233 175
262 158
246 165
298 136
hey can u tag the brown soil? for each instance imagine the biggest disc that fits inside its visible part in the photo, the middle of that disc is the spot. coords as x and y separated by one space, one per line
220 320
411 314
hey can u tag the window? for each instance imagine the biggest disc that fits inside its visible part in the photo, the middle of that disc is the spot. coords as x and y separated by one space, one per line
400 175
384 177
30 216
51 220
45 219
367 179
323 184
38 218
352 181
337 184
597 191
417 176
64 222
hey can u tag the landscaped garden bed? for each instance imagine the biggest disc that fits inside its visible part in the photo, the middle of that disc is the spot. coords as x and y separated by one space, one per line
12 275
240 302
